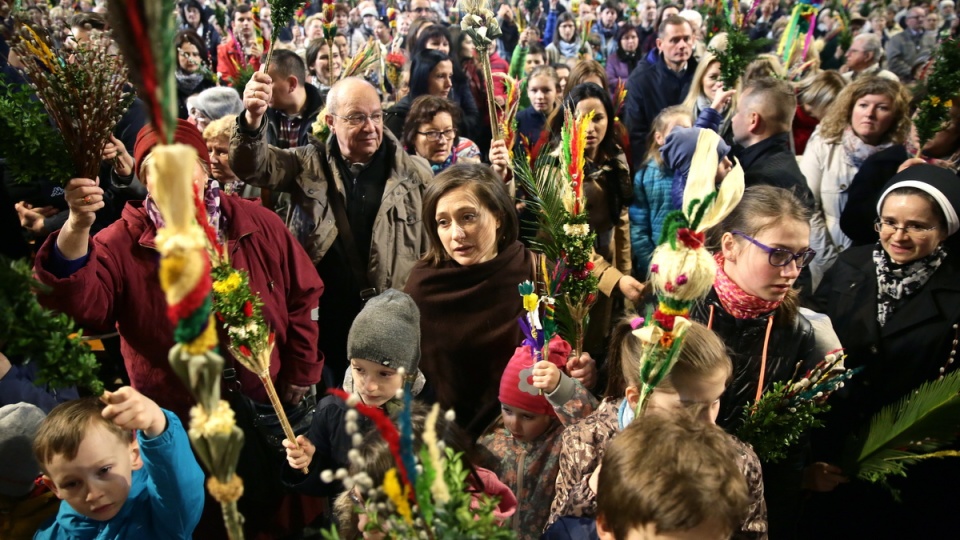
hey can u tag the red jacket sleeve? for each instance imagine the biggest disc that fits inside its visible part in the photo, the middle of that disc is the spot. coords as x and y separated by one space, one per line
225 68
88 294
302 362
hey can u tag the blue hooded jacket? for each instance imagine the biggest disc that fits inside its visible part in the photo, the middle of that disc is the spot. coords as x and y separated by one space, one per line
165 499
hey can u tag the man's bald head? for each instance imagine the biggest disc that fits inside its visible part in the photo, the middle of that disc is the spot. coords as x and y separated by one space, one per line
350 86
355 117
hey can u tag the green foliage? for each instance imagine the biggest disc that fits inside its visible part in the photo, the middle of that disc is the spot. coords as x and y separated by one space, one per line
454 520
772 429
281 13
942 86
737 55
244 74
902 433
33 148
572 253
39 335
789 409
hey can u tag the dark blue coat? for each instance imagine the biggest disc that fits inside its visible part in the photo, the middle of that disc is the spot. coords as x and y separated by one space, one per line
652 87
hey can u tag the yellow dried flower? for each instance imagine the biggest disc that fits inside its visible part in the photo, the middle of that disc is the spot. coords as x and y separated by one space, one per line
221 422
227 286
399 498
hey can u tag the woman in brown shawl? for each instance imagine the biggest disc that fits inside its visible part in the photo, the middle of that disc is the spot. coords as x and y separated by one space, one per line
466 289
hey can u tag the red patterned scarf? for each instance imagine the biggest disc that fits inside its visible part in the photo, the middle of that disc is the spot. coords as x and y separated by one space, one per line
735 300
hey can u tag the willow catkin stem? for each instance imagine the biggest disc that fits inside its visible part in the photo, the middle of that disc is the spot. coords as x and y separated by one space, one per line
278 407
488 82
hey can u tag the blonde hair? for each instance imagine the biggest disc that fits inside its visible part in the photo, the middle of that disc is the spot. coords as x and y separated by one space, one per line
658 125
839 114
696 88
762 67
221 127
820 91
701 355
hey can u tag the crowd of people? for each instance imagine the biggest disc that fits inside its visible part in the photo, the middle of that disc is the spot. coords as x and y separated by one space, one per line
382 226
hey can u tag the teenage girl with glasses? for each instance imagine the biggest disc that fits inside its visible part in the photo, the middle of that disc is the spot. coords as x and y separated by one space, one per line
764 244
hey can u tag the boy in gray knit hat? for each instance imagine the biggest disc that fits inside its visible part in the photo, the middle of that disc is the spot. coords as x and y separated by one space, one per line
383 340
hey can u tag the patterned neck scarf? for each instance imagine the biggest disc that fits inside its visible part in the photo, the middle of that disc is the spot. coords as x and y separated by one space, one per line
735 300
897 282
856 151
211 203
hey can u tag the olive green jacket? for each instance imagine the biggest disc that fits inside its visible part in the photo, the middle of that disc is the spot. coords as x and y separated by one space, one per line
399 239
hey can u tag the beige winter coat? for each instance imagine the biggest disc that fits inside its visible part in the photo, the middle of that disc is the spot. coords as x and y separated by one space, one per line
399 239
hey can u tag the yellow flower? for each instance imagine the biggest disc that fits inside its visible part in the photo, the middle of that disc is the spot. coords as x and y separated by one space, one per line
934 100
391 487
948 104
530 302
227 285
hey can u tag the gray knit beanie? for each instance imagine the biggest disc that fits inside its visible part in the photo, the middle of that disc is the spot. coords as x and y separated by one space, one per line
18 468
387 331
216 102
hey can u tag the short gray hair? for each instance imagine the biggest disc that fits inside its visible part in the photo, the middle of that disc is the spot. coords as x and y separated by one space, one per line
871 44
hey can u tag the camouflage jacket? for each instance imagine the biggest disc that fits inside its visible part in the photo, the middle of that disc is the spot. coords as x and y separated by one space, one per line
530 469
582 451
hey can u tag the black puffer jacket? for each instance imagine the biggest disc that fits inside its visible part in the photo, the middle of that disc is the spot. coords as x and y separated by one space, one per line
790 342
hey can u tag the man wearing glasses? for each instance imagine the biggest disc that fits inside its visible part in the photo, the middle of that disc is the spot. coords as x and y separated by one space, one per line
863 58
906 49
421 9
357 199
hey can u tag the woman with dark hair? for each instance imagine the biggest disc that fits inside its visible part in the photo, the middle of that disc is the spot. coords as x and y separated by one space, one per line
608 191
895 305
429 132
468 281
566 43
193 69
431 73
466 289
622 61
323 72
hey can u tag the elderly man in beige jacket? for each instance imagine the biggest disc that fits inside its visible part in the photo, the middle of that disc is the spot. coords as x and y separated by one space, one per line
357 199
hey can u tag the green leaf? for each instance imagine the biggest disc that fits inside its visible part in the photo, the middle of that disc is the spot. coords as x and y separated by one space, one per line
924 421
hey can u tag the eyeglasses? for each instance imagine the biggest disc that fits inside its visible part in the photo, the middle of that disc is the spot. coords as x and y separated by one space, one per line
421 10
889 227
448 134
779 256
186 54
361 119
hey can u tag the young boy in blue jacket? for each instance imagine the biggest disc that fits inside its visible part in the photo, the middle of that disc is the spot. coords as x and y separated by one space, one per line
124 468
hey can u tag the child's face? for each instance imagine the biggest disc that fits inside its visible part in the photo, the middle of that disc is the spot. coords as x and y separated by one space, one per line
376 383
679 121
703 393
96 482
542 93
532 61
525 426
